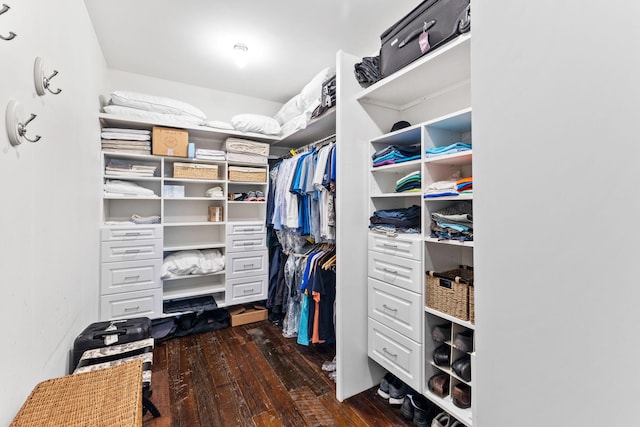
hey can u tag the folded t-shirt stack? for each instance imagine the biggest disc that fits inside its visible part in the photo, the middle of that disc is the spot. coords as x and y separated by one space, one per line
454 222
409 183
246 151
131 141
456 147
215 155
395 154
402 220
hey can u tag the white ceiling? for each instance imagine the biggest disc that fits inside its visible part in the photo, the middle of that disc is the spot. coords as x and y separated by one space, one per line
191 41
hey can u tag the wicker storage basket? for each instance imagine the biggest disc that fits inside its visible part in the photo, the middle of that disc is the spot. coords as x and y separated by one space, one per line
195 170
448 291
472 304
105 397
238 173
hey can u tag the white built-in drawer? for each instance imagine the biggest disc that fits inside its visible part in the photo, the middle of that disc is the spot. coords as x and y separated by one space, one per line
147 303
127 276
245 228
395 352
246 242
131 250
398 271
407 246
131 232
246 289
397 308
244 264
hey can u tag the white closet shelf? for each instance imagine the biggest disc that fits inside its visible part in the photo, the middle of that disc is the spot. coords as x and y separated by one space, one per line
455 159
449 198
113 120
396 195
180 224
446 68
216 245
315 130
462 415
448 242
411 165
450 318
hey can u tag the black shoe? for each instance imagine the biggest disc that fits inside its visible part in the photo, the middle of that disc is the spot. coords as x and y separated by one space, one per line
407 407
463 341
423 411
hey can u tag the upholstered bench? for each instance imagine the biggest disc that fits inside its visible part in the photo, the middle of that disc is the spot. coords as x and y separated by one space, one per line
104 397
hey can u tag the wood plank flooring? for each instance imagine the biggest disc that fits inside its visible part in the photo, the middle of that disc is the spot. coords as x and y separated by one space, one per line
251 375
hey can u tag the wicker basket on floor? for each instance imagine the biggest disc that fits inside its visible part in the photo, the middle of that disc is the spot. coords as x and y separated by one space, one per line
448 291
105 397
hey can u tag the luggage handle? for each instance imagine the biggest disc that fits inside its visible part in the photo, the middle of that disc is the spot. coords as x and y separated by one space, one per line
415 33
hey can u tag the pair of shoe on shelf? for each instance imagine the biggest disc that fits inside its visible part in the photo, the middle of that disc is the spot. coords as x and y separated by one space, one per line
251 196
445 420
392 389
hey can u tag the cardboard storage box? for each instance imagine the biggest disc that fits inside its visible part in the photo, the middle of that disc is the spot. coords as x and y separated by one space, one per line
248 313
169 142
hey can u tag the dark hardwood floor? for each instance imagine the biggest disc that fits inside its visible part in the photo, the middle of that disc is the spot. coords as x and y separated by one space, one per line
251 375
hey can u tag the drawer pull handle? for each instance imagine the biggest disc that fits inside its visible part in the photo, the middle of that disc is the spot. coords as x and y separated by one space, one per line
389 245
131 251
385 306
388 270
248 291
132 308
131 277
248 265
384 349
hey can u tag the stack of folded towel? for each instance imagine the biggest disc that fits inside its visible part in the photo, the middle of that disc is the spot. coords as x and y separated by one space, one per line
246 151
410 182
215 155
130 141
395 154
449 149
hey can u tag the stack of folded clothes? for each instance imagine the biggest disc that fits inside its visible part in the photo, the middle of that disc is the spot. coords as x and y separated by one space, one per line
409 183
395 154
130 141
465 185
449 149
246 151
454 222
401 220
215 155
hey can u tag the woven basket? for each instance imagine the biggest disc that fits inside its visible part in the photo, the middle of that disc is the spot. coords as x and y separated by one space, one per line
195 170
448 291
472 304
244 174
105 397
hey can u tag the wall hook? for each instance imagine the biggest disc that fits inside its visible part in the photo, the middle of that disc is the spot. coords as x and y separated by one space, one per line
41 80
12 35
16 128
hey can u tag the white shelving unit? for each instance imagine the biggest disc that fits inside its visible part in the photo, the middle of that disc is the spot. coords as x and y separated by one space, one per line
433 94
185 225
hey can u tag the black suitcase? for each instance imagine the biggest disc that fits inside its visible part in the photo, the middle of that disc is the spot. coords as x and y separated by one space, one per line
431 24
102 334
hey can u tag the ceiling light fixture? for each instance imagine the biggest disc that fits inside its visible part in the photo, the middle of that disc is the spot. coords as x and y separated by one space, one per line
241 54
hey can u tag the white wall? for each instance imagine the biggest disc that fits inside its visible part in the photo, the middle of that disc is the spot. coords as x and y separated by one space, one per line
216 104
555 93
50 195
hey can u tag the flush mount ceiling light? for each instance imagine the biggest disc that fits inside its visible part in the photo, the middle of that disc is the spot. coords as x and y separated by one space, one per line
240 54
